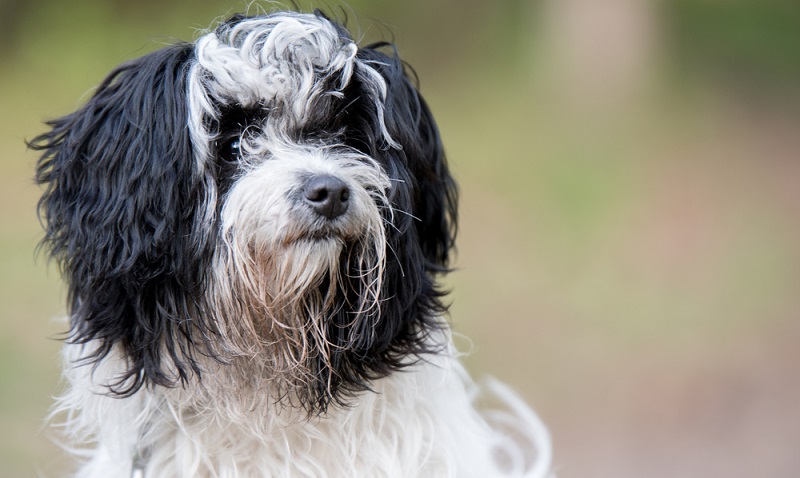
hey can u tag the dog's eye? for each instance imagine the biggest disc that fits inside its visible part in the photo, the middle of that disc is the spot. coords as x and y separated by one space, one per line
235 123
230 150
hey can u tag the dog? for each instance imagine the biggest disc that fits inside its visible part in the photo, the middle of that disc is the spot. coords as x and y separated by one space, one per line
253 228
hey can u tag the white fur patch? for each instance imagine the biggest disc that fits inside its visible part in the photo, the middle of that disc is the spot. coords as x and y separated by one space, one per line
285 61
419 423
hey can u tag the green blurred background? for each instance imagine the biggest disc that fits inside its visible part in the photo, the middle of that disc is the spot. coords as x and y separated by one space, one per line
629 255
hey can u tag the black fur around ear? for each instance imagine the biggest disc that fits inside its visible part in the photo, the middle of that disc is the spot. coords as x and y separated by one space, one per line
424 198
433 193
121 203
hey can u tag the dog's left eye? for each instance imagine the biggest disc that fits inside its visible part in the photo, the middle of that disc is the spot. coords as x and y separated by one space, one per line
230 150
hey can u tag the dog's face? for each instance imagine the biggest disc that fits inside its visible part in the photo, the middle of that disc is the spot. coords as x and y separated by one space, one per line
270 195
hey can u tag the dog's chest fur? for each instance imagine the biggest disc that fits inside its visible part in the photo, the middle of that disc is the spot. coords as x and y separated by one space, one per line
418 423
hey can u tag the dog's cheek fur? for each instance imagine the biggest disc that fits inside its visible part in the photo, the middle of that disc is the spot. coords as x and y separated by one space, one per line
128 220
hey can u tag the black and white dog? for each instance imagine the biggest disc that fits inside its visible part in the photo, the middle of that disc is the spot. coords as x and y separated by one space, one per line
252 227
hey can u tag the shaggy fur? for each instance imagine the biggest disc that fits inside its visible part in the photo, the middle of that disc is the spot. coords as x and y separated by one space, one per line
252 228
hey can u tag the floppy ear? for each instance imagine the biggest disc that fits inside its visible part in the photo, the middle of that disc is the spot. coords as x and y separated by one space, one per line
435 196
432 194
123 204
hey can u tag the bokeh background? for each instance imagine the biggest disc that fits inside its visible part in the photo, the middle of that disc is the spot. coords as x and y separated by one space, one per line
629 254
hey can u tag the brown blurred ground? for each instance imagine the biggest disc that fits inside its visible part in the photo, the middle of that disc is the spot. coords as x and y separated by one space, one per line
629 255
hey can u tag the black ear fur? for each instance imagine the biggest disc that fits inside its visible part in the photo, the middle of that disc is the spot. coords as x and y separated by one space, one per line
424 197
433 194
121 203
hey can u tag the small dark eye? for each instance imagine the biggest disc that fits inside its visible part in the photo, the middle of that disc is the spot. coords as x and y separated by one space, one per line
230 150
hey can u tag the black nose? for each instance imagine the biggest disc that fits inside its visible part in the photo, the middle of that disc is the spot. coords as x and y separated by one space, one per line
327 195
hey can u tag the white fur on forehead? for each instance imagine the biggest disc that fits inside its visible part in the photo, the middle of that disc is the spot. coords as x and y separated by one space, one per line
279 57
284 59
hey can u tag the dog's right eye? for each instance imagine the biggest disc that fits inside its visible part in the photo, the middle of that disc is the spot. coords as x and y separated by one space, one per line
230 150
234 121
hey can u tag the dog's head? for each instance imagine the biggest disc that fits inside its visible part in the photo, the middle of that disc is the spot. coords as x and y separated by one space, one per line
269 194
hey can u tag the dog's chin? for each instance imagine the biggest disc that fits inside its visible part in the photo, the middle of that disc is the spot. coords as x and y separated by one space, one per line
309 232
322 237
306 254
318 251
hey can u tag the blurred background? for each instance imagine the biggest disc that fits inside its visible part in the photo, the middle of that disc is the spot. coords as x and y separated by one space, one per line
629 253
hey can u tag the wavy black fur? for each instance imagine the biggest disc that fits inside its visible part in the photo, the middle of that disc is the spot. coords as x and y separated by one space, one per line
124 206
120 203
